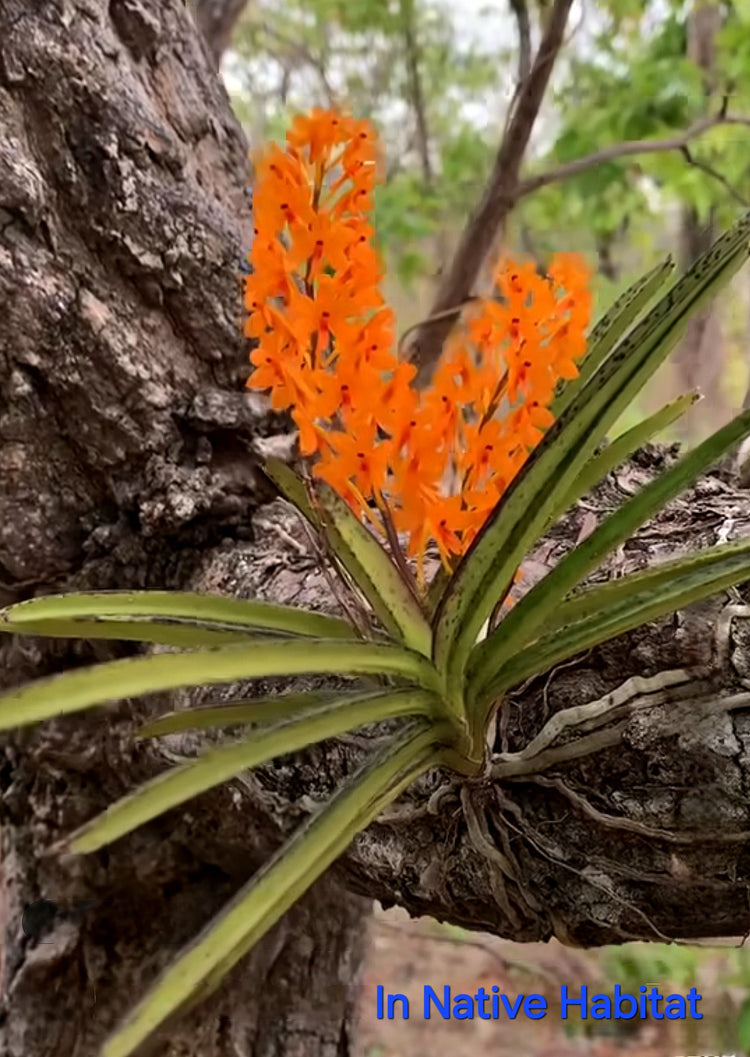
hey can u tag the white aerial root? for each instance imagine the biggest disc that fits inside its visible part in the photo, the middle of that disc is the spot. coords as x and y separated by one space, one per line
679 684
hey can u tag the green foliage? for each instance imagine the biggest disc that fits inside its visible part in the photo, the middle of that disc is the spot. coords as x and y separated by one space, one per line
307 52
634 963
423 666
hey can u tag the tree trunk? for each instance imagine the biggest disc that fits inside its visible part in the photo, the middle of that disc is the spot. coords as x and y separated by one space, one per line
701 355
128 458
216 21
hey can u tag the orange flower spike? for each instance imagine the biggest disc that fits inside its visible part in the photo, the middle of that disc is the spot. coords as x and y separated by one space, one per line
330 353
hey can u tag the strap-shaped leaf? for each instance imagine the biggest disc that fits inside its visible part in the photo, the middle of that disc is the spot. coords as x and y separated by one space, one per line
292 487
186 606
84 687
523 623
125 630
201 966
538 492
588 601
250 711
436 590
613 326
363 558
622 447
377 576
218 765
621 611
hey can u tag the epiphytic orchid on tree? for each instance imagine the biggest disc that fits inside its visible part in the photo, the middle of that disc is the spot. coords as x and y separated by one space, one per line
506 439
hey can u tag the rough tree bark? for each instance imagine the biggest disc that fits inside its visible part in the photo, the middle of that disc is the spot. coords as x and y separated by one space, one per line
128 458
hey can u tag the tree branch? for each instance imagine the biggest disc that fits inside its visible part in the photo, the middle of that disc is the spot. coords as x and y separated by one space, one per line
496 203
297 51
627 148
521 13
415 88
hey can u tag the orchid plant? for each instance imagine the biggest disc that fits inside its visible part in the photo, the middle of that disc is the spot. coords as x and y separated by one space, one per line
505 440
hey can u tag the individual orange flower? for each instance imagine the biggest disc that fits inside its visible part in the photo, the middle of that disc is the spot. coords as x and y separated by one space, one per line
354 456
317 133
323 242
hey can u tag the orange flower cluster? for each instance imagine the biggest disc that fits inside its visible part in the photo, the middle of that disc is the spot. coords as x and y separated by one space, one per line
431 464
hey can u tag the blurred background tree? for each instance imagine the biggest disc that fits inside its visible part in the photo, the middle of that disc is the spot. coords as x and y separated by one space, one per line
640 147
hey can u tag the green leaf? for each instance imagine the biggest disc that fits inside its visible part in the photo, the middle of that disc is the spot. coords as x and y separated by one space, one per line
292 487
622 447
216 766
186 606
201 966
436 589
364 559
588 601
622 610
538 492
377 577
541 602
84 687
126 630
613 325
252 711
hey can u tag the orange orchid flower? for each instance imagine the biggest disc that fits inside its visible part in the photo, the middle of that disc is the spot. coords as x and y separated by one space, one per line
436 461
